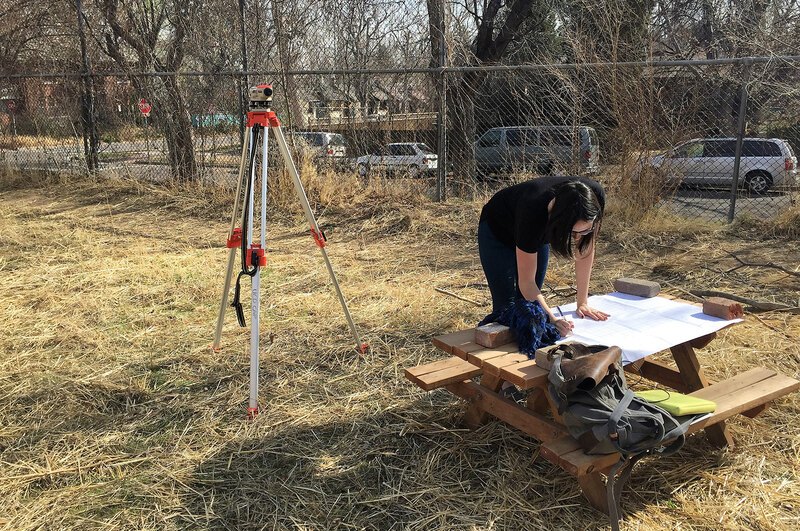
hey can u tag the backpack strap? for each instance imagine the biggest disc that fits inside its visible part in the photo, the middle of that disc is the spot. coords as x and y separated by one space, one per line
614 486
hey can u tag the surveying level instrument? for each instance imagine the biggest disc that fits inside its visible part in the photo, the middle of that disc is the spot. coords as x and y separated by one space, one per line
260 120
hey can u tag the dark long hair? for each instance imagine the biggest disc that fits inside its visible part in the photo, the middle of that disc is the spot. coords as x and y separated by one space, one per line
575 201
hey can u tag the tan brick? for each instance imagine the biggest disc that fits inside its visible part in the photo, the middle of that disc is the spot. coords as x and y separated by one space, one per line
638 287
722 308
493 335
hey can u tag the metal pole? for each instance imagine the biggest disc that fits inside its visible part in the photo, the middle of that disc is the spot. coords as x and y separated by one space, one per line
231 252
740 132
254 302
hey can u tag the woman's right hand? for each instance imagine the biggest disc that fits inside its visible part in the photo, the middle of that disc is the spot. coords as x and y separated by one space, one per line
564 327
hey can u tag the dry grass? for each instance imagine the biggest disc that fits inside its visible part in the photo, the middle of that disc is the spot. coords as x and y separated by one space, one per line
114 414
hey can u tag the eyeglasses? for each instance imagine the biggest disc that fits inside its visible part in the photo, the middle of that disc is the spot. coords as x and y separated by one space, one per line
585 232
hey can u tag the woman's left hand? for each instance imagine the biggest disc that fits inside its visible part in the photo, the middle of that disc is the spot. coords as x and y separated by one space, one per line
584 310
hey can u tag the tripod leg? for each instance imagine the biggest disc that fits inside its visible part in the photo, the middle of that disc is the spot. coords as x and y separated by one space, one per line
255 316
231 252
301 194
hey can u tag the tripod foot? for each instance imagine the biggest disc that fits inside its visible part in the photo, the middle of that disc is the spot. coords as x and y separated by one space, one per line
215 348
252 413
363 348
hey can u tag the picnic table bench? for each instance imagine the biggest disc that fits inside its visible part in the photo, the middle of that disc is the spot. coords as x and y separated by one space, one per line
476 374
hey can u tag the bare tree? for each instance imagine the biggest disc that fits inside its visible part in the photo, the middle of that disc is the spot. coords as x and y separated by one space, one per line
498 27
150 37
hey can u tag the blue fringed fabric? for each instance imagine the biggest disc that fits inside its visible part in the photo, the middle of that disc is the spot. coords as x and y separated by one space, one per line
529 324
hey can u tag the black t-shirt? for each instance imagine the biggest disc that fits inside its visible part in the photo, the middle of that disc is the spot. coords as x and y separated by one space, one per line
518 214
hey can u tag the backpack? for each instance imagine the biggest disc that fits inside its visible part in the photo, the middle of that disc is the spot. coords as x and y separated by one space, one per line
604 416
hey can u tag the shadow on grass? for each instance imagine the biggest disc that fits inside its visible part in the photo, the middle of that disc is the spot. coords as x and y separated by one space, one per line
405 468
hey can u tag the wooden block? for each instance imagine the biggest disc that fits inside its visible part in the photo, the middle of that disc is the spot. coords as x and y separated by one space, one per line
635 286
493 335
722 308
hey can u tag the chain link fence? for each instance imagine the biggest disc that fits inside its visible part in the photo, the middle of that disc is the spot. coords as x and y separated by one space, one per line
711 140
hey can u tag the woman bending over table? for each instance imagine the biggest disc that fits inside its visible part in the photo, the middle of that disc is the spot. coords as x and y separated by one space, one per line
522 223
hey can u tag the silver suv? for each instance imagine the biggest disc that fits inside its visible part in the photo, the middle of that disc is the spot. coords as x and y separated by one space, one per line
765 163
415 158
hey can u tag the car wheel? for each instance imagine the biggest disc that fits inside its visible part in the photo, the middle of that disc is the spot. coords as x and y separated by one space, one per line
758 182
363 170
413 171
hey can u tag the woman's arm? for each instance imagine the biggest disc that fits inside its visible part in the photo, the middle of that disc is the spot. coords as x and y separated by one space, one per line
583 272
526 277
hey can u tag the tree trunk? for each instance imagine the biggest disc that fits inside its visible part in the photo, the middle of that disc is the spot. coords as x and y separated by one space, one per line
461 119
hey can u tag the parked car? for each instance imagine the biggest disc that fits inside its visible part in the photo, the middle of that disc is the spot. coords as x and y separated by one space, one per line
327 146
765 163
414 158
540 149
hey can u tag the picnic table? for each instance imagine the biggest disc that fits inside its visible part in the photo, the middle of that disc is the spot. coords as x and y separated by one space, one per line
476 374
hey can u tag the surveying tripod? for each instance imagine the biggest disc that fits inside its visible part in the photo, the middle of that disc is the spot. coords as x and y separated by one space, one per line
260 120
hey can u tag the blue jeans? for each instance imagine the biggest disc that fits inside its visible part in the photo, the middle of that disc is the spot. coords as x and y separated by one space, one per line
499 263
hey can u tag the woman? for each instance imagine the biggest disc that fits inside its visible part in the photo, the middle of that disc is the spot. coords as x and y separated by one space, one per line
518 227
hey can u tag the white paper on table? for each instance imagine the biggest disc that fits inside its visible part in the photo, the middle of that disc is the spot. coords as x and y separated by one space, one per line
641 326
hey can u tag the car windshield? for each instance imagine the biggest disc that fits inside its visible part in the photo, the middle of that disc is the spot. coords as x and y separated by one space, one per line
425 149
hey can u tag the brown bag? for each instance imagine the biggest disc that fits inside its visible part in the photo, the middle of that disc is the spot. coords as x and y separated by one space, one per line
583 366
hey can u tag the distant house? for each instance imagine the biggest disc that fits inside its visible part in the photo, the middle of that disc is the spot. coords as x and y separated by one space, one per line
367 105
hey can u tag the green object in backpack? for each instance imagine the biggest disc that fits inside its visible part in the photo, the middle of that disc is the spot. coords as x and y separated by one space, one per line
676 403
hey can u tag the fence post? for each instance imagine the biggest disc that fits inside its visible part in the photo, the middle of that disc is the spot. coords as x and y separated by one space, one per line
740 132
89 129
441 135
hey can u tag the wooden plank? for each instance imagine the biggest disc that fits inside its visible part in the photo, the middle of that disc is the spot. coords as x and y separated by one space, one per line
463 351
594 490
475 416
525 375
455 372
434 366
537 401
703 341
568 454
446 342
734 384
480 355
733 401
694 378
494 365
659 372
520 417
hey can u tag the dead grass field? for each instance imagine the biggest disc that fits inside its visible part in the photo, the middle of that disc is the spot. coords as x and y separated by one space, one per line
114 413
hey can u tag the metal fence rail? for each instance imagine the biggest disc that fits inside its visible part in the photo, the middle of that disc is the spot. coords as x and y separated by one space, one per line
710 139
